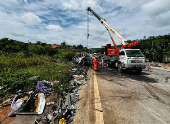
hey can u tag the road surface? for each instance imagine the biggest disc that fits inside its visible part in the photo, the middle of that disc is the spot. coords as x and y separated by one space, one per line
160 71
128 98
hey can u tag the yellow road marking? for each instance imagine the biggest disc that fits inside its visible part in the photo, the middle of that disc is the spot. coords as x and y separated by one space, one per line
97 103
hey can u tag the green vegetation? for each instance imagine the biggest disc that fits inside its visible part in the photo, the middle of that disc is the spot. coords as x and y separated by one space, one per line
13 46
15 71
95 50
20 61
157 48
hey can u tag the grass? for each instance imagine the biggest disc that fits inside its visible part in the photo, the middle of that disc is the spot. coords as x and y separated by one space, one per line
19 61
15 71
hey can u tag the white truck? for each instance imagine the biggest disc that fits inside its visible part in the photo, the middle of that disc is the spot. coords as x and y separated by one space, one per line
131 59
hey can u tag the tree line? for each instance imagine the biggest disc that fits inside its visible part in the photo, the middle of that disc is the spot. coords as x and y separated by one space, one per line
156 48
14 46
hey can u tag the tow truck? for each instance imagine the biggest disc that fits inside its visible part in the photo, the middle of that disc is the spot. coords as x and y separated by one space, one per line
124 58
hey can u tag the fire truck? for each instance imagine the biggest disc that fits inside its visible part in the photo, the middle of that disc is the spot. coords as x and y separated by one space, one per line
124 58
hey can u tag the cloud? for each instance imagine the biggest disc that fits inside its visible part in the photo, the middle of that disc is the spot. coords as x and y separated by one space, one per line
30 19
80 5
39 20
54 27
25 1
156 7
160 20
18 33
71 5
157 13
90 3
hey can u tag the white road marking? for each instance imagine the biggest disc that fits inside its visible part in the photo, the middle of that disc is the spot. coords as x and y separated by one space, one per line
152 112
98 108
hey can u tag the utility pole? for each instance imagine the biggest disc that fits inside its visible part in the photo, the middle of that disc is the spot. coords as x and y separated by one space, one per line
152 51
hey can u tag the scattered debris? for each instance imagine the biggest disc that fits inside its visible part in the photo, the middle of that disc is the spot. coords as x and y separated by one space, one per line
18 91
82 58
155 65
44 105
34 78
7 102
19 102
41 103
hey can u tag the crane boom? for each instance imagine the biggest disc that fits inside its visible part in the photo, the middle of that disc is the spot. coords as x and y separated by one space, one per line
108 27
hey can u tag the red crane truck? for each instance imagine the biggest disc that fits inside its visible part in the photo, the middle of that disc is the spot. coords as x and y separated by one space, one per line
124 58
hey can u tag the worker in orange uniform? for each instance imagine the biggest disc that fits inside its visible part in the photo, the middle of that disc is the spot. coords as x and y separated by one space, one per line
95 63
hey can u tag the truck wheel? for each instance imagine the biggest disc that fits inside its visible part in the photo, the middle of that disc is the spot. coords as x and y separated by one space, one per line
110 64
138 71
120 68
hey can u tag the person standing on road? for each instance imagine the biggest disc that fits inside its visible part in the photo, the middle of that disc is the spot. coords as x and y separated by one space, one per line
95 63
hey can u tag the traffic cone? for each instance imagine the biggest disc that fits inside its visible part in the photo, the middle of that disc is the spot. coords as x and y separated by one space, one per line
149 68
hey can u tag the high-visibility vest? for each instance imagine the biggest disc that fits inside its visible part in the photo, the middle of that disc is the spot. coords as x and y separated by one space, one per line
95 63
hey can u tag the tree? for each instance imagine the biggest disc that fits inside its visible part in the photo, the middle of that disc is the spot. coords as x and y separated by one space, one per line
38 43
80 47
74 46
43 44
63 45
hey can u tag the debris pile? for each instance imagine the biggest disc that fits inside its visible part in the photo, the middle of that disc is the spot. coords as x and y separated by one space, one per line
45 104
156 65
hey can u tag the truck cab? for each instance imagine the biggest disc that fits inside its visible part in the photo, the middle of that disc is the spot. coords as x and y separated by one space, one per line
131 59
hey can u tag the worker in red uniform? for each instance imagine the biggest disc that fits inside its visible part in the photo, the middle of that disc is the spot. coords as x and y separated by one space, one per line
95 63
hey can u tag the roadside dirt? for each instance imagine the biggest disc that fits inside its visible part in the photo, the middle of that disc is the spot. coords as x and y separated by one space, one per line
84 114
4 119
163 65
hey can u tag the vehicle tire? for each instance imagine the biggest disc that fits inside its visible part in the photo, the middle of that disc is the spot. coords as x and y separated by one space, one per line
120 68
138 71
109 64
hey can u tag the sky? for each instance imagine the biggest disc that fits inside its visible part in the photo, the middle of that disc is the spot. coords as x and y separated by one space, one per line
54 21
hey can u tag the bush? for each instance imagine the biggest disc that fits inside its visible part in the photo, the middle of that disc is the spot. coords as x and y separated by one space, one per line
13 80
65 56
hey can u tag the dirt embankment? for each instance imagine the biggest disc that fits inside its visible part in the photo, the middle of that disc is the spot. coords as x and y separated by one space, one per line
162 65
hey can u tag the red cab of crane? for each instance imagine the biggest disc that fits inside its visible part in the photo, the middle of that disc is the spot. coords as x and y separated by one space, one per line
130 45
109 51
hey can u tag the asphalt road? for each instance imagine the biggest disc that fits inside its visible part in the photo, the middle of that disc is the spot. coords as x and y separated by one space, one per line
128 98
160 71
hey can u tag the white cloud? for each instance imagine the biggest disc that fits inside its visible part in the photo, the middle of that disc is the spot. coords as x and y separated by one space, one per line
71 5
160 20
30 18
54 27
80 5
39 20
156 7
131 3
25 1
90 3
14 1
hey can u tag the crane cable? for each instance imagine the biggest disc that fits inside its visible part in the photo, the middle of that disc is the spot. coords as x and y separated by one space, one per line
87 27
